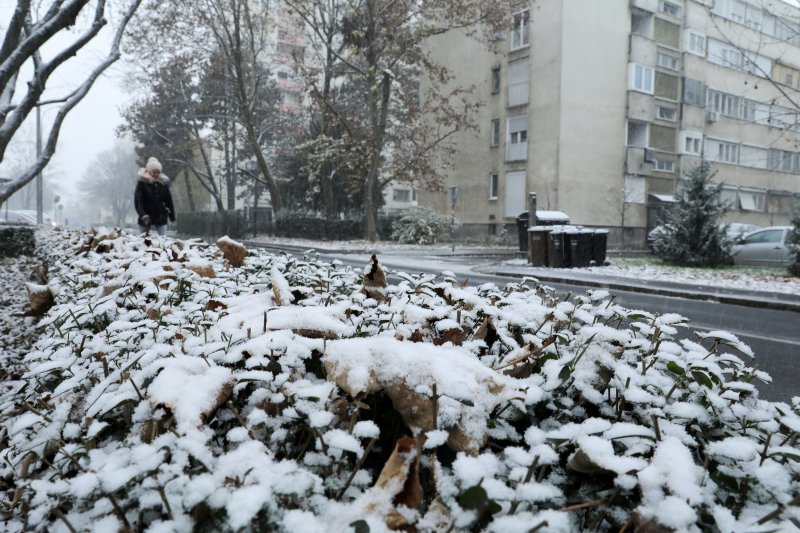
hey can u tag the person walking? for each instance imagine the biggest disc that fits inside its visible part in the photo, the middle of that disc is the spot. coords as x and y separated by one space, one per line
152 199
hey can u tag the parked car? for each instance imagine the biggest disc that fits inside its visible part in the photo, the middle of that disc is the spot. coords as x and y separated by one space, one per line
16 217
46 218
734 230
764 247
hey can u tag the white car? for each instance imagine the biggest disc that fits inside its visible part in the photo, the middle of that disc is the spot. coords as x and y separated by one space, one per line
16 217
764 247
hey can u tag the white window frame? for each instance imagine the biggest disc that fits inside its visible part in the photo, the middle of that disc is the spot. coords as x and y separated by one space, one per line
696 43
518 82
692 142
669 114
645 76
726 151
520 29
664 165
667 61
494 185
516 139
752 199
635 189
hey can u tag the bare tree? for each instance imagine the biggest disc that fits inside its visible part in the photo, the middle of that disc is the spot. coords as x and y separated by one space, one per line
30 29
379 48
111 180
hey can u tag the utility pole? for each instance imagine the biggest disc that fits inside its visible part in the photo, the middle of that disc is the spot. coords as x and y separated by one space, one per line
39 184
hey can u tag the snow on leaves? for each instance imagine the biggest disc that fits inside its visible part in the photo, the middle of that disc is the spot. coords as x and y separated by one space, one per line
170 391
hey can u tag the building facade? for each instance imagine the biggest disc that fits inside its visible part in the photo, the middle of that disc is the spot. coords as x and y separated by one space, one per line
601 107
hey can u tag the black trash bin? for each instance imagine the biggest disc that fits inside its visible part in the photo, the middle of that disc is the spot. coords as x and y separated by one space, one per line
599 244
580 247
522 229
556 253
539 239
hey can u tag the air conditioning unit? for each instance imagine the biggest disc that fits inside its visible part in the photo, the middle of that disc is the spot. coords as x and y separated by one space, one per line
649 155
712 116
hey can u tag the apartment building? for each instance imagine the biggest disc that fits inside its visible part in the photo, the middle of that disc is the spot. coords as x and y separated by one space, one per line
601 107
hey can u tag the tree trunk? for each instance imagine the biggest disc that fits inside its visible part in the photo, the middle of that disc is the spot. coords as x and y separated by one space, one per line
189 192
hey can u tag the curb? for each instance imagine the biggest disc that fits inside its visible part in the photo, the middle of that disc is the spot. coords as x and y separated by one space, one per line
661 291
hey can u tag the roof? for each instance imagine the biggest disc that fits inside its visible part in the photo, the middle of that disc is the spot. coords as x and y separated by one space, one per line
551 215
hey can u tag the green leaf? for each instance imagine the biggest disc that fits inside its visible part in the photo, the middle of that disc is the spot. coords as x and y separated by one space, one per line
360 526
675 368
565 372
274 367
473 498
494 507
702 378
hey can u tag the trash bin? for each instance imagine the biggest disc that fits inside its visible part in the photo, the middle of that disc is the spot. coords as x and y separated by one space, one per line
556 257
599 244
580 247
522 229
539 238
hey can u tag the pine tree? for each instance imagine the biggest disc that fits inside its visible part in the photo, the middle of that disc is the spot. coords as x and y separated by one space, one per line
794 242
694 236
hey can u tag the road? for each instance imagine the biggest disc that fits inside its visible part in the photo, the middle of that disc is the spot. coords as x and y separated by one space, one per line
773 335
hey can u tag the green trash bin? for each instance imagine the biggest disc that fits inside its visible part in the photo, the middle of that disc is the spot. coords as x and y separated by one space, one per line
539 236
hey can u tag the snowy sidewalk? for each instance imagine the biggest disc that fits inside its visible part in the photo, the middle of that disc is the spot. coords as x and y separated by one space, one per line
778 300
779 293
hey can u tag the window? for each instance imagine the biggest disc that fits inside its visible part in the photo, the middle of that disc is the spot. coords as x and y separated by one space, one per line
754 17
732 57
662 165
520 29
637 134
635 187
667 33
515 194
495 132
640 22
662 138
753 156
693 92
673 10
518 82
755 200
692 142
766 236
291 98
666 86
789 79
494 185
517 148
641 78
724 152
496 79
401 195
729 197
666 113
781 160
667 61
696 43
726 104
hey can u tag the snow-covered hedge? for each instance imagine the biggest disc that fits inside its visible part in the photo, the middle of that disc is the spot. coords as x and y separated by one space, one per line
421 226
170 391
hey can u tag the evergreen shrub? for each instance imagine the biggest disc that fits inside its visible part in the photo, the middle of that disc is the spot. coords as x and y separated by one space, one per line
421 226
16 241
693 235
794 243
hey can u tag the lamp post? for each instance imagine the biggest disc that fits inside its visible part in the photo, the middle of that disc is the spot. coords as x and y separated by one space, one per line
39 180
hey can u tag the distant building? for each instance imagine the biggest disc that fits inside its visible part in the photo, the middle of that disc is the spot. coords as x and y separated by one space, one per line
600 107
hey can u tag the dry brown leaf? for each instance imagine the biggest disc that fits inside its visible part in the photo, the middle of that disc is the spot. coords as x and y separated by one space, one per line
40 297
213 305
375 280
399 478
233 251
219 400
204 271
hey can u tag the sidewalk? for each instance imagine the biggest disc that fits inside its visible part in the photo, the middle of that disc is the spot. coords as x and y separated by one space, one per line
725 295
568 276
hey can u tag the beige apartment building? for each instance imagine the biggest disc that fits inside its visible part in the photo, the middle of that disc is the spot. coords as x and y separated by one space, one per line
600 107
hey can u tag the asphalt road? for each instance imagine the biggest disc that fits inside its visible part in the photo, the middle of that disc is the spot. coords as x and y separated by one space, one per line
773 335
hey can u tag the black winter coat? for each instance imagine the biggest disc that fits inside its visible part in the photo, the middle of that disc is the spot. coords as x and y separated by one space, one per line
152 197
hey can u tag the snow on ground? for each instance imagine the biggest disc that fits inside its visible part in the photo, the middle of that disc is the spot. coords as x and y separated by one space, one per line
759 280
170 391
753 279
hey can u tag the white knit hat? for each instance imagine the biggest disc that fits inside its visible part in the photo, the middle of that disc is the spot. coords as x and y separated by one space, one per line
153 164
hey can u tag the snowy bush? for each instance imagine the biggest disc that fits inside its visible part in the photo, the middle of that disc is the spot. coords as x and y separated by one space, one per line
16 241
421 226
693 235
169 391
